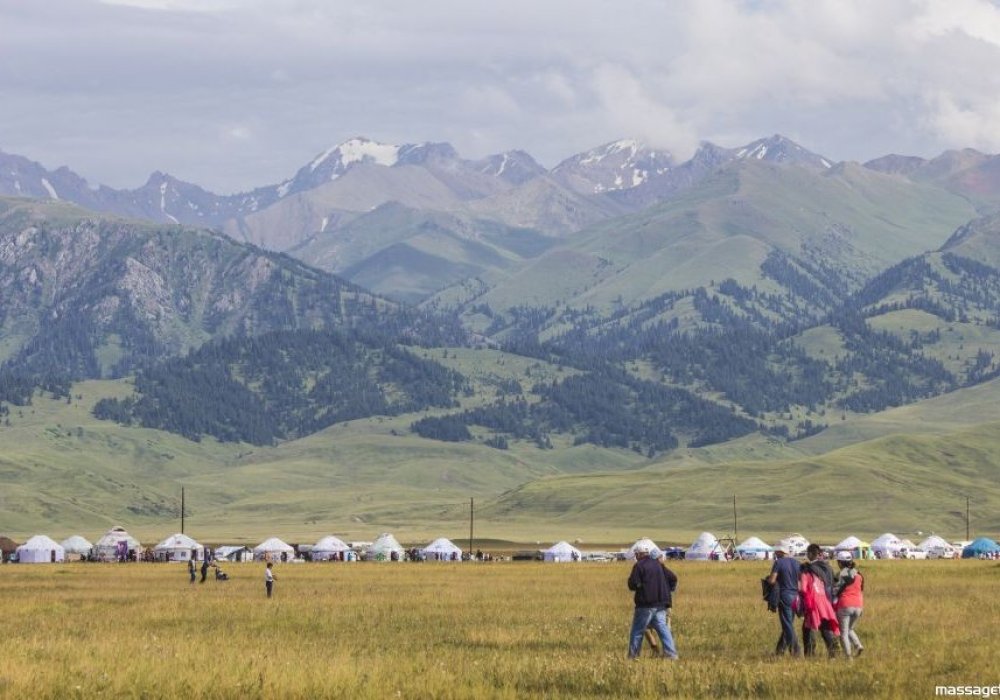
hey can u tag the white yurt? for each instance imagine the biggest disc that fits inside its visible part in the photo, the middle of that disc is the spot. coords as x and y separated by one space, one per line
937 548
754 548
77 546
328 548
116 543
178 547
654 549
887 546
706 548
562 551
273 549
857 547
40 549
794 545
442 549
385 548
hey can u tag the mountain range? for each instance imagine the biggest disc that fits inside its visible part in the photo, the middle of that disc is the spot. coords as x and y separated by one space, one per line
650 305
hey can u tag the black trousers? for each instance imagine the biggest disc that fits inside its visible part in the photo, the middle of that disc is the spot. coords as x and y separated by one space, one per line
809 639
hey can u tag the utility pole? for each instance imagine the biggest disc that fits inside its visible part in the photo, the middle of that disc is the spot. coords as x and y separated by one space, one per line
736 529
472 520
966 517
182 510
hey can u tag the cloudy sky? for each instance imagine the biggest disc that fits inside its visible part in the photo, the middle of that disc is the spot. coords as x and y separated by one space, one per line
232 94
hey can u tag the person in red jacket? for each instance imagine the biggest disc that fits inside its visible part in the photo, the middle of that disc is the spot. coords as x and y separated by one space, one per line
849 592
816 596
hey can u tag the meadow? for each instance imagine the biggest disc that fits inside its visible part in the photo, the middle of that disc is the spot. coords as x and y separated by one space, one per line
462 630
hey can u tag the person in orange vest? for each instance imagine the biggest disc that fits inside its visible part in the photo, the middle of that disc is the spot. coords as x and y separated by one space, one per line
849 593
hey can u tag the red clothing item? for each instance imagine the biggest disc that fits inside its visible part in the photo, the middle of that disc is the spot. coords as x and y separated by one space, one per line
816 607
852 596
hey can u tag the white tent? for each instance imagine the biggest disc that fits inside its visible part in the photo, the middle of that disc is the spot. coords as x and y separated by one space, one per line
327 547
794 545
706 547
654 549
754 548
40 550
80 546
442 549
116 543
178 547
385 548
937 548
562 551
849 544
273 549
887 545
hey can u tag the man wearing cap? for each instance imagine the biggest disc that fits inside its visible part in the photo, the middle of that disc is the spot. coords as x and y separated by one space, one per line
652 598
785 575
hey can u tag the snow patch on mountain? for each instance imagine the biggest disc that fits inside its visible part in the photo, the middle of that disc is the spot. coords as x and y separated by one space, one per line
357 150
49 188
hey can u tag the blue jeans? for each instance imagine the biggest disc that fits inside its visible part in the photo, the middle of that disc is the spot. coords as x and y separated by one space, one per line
641 619
787 641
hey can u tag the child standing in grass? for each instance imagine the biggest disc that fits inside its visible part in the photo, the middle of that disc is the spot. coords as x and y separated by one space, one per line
269 579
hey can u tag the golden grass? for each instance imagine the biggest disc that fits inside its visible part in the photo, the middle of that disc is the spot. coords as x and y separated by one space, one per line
468 630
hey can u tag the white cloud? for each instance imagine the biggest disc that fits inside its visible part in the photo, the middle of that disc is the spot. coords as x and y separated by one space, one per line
101 86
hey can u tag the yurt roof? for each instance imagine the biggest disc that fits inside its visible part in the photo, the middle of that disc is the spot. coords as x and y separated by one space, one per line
562 547
887 539
851 542
705 539
330 543
934 541
754 543
273 544
654 549
113 536
41 542
178 541
442 544
77 543
386 543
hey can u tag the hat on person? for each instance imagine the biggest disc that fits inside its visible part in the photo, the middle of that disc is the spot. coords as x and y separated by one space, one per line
781 548
844 556
642 549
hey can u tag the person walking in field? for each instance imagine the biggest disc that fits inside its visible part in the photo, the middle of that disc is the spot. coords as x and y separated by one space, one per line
850 603
816 587
191 568
785 575
650 633
652 598
269 579
204 569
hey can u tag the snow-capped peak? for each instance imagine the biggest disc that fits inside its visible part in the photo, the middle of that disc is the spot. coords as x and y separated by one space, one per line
356 150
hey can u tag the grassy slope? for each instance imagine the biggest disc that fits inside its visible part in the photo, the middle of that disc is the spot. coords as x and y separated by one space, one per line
65 472
727 225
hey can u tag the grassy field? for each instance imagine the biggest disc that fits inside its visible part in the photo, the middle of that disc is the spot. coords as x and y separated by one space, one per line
468 630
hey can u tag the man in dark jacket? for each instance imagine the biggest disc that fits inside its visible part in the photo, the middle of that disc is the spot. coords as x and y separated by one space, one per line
785 577
652 598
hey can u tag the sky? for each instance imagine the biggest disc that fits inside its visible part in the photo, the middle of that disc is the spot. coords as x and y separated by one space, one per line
234 94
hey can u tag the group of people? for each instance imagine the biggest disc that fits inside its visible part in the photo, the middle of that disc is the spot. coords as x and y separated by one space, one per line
206 564
829 604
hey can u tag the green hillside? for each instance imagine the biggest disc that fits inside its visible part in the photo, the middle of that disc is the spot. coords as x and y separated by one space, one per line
66 472
851 220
